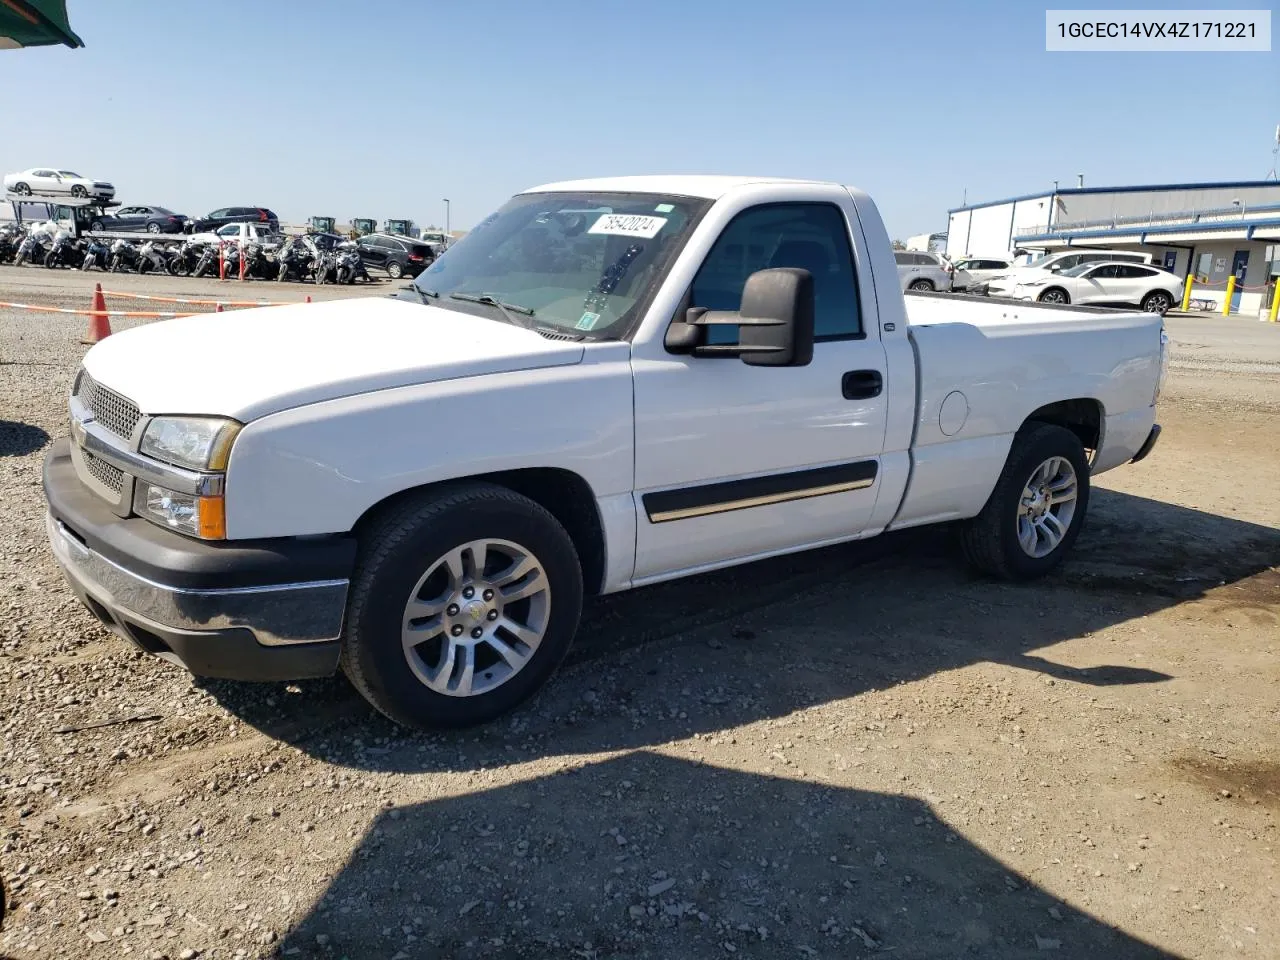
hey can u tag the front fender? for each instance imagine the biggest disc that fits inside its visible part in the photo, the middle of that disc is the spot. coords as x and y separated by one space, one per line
317 469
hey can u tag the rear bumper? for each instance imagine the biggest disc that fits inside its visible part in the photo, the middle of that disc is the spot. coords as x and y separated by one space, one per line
266 610
1148 445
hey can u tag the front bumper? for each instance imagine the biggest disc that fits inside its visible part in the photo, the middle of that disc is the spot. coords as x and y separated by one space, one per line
255 610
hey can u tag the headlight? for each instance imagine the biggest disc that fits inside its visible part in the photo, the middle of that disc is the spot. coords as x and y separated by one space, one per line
203 517
197 443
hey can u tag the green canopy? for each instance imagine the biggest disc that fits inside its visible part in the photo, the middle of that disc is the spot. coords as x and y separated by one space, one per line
35 23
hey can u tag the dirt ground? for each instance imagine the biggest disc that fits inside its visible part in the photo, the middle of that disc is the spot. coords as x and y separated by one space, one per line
861 751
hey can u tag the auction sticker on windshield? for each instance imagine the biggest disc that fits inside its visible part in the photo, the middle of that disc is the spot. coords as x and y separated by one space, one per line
628 225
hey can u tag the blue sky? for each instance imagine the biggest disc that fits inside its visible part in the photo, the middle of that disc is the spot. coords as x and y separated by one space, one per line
366 109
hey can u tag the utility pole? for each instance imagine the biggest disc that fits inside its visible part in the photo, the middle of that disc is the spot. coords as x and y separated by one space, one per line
446 217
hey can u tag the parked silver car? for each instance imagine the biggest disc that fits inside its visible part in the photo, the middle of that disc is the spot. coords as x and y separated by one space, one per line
922 272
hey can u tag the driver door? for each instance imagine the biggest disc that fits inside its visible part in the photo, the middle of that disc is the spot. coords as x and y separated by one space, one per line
736 461
1100 285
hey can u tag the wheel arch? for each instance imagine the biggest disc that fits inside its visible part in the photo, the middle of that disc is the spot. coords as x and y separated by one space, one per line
1083 416
564 494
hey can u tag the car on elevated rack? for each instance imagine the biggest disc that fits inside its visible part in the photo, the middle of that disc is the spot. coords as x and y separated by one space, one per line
1115 284
49 181
149 219
224 215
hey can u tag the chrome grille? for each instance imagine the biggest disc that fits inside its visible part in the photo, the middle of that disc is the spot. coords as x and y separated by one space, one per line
105 473
114 412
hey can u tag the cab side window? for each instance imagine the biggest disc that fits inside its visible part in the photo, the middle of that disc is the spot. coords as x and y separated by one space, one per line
811 236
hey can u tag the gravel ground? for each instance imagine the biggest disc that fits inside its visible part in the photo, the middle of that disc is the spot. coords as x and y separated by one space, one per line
862 751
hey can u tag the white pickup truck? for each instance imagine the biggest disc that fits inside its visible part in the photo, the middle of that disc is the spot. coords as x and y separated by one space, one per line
606 384
245 233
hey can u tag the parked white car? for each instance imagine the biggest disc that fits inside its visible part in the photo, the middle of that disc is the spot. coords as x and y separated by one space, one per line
1054 263
973 271
1105 284
240 233
922 272
48 181
616 382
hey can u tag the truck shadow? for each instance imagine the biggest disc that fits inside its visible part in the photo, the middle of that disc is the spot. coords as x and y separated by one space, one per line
19 439
593 862
818 627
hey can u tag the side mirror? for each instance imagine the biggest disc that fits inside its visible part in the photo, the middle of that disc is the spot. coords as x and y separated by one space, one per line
775 322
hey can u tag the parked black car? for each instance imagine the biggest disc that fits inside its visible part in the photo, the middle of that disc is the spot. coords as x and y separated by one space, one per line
150 219
399 256
224 215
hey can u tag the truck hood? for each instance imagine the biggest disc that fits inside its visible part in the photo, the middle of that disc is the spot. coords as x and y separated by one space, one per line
246 364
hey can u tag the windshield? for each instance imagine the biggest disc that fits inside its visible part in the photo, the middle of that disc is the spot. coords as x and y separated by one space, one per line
577 261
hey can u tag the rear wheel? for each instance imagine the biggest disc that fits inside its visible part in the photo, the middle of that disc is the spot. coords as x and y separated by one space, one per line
96 226
1054 295
1157 302
463 603
394 270
22 189
924 286
153 227
1035 512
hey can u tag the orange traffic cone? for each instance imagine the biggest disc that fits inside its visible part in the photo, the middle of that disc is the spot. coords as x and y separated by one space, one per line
99 322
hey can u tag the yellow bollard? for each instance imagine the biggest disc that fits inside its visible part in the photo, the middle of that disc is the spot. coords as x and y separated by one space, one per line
1186 293
1275 304
1231 289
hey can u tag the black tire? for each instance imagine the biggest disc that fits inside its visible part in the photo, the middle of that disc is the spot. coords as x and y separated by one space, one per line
153 227
96 226
1054 295
1158 301
22 189
399 548
924 286
394 270
990 540
78 191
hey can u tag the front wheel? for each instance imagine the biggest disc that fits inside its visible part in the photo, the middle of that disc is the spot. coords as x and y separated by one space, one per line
78 191
1035 512
96 226
394 270
1157 302
153 228
464 602
1054 295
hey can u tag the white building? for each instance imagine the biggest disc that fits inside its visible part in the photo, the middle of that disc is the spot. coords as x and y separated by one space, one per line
1215 229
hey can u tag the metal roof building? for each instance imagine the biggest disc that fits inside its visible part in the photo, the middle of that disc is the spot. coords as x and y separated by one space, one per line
1214 229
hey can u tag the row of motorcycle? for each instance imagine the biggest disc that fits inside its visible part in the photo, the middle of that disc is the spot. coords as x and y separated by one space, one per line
298 258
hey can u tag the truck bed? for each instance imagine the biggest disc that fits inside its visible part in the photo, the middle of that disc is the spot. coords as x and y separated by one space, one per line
926 309
984 365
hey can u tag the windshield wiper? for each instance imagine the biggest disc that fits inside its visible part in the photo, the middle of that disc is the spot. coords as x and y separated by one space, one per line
509 310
